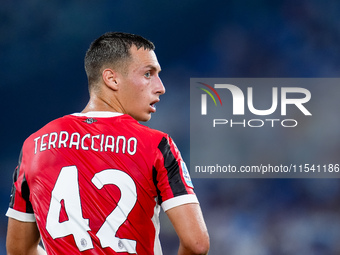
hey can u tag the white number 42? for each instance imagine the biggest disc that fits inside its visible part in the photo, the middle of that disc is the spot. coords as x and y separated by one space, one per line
67 188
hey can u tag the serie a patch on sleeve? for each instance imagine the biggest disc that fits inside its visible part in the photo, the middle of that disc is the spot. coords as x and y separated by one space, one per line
186 174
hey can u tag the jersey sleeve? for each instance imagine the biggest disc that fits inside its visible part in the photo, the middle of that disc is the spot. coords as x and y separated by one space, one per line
171 176
20 208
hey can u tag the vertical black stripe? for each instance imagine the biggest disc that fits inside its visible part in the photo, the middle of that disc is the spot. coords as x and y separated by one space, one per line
154 177
15 178
25 192
11 202
172 167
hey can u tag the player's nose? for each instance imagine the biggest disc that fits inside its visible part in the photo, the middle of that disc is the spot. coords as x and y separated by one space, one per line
160 89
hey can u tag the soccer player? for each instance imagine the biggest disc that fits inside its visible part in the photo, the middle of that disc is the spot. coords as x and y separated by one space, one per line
93 182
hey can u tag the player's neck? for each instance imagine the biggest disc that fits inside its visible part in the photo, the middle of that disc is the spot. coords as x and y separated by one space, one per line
98 103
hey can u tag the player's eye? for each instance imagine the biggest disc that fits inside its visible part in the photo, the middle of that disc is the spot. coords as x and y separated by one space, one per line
147 74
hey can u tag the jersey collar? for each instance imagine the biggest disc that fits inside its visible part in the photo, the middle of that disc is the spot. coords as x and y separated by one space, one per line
98 114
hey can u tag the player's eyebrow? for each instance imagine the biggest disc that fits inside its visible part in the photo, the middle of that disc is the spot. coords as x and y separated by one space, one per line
154 68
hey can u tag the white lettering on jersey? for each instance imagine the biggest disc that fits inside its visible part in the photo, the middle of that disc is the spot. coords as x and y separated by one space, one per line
100 142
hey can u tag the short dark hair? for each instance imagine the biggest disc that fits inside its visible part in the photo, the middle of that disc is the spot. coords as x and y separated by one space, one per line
112 48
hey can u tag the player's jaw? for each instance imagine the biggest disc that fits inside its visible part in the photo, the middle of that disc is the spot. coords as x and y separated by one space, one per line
145 111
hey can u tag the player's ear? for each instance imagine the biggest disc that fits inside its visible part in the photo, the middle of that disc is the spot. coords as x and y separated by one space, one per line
110 78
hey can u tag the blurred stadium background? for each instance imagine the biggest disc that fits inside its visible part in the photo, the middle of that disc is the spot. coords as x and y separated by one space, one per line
42 45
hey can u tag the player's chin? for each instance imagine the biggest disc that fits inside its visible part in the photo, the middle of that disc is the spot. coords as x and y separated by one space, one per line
144 118
147 118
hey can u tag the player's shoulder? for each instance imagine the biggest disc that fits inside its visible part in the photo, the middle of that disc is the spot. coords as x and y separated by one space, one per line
148 132
146 129
51 125
46 128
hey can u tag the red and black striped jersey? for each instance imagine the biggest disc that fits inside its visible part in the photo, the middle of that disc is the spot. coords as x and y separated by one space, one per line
94 183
